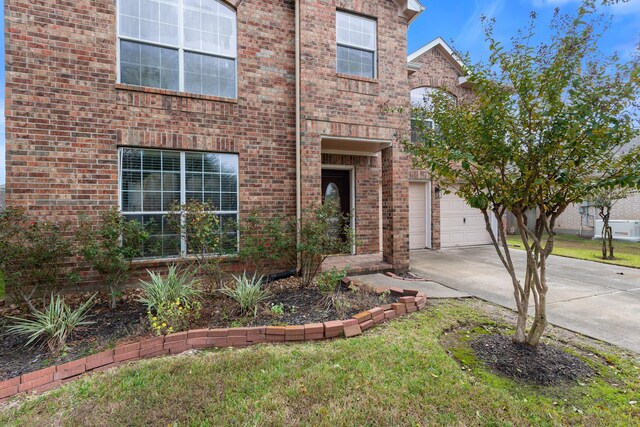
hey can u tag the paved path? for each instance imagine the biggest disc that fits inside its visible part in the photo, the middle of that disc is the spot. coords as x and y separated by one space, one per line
595 299
433 289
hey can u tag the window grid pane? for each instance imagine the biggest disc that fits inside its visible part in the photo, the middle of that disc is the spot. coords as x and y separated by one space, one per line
151 184
209 27
357 45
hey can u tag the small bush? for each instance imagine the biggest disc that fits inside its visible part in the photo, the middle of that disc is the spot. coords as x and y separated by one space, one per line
329 281
324 231
33 257
110 246
267 242
247 292
172 301
180 286
54 325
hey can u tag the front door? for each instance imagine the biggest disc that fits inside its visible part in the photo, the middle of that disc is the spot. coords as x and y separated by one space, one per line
336 185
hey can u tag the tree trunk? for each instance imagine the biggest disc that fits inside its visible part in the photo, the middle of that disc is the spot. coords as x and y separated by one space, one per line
112 297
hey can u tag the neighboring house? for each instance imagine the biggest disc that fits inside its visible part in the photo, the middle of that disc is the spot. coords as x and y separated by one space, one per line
581 218
439 220
142 103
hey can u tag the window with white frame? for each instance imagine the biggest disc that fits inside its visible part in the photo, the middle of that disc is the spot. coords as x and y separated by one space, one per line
152 181
357 45
182 45
421 98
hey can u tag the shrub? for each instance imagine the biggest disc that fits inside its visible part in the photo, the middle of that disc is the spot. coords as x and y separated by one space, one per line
33 256
181 286
247 292
111 246
203 234
329 281
172 301
54 325
323 231
267 242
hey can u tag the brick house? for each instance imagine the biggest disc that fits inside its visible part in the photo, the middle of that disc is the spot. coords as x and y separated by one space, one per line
247 104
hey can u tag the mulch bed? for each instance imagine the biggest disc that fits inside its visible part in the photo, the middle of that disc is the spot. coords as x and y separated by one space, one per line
128 321
543 365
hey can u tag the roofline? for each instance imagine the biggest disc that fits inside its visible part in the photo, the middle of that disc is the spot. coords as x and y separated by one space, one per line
438 41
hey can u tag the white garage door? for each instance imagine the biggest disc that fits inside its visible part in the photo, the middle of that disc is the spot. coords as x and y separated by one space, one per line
461 225
418 216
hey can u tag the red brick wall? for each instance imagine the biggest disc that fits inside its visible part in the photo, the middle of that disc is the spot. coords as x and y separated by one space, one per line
338 105
436 71
66 115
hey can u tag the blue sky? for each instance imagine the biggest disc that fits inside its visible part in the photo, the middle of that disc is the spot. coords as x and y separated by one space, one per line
459 22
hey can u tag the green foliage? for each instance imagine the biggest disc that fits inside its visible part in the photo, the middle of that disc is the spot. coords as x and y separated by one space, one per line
328 281
201 230
542 130
175 286
54 325
277 309
174 316
324 231
110 246
384 295
267 241
247 292
172 301
33 256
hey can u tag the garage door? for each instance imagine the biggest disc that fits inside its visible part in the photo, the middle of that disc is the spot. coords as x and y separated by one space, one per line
418 216
461 225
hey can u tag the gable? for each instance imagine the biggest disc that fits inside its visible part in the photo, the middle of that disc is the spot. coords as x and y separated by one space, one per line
444 48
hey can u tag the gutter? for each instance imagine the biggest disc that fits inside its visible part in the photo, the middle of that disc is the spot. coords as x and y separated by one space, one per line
298 136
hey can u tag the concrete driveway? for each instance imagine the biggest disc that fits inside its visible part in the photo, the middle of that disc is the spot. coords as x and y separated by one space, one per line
598 300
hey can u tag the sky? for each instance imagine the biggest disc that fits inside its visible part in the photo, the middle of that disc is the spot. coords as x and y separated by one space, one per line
458 22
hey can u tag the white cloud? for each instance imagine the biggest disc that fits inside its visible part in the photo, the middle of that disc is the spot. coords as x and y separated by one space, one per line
621 8
471 37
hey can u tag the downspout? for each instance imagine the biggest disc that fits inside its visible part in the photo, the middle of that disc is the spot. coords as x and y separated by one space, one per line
298 157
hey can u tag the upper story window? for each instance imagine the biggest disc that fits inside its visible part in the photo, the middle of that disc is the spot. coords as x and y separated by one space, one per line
421 98
182 45
357 45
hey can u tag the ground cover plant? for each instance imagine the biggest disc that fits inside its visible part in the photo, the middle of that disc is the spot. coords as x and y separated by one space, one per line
405 372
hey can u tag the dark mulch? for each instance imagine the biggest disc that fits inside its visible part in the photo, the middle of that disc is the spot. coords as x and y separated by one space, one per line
128 321
543 365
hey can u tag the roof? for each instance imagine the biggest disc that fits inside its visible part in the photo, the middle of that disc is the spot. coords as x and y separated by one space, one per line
449 53
410 8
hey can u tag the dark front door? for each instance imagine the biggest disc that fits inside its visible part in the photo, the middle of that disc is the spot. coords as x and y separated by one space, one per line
336 185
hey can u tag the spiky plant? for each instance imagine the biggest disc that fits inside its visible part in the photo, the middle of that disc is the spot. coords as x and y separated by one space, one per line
247 292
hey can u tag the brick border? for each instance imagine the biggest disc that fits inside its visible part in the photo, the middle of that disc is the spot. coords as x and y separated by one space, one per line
54 376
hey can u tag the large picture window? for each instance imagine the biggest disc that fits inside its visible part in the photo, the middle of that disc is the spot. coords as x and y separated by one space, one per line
357 45
182 45
152 181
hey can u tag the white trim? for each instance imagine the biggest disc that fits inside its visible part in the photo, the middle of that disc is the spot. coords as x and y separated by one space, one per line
352 201
438 41
354 138
428 213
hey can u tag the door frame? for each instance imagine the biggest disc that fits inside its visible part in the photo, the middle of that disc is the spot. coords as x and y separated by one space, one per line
352 190
428 213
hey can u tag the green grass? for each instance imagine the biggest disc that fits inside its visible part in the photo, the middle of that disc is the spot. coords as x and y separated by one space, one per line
626 253
395 374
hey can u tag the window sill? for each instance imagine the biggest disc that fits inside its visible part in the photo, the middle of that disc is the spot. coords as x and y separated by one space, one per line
153 90
358 78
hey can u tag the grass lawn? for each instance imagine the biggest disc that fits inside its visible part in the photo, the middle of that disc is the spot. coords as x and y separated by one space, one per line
626 253
396 374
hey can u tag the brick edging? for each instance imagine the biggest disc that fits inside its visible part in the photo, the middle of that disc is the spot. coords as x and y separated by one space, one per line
54 376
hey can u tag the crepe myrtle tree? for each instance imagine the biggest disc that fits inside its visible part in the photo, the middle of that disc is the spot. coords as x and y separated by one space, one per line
603 199
542 130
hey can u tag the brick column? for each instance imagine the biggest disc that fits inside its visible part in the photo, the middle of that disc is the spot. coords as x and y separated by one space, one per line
395 208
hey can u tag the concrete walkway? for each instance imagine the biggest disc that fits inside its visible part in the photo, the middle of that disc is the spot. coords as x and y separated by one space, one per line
433 289
598 300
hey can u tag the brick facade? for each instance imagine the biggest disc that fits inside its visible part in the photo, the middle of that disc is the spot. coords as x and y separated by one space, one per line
67 115
438 70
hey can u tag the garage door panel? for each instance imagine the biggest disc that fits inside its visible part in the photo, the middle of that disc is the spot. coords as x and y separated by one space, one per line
460 224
